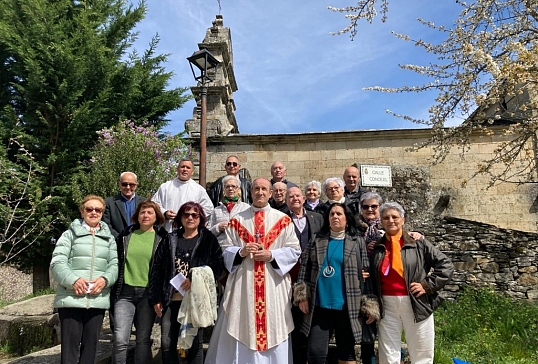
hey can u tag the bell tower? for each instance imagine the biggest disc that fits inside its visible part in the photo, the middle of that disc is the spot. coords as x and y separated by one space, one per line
220 103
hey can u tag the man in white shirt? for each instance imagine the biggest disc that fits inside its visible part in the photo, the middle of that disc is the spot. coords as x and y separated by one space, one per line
173 194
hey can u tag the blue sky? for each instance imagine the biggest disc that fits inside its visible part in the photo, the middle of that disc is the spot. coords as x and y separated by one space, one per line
292 75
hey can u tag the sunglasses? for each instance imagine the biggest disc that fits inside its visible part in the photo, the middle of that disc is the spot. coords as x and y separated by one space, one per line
127 184
92 209
229 164
194 215
368 207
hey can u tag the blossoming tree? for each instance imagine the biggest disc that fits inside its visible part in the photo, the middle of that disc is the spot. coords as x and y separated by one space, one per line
128 147
486 72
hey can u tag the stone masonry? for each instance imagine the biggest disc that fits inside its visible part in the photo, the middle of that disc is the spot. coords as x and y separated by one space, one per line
310 156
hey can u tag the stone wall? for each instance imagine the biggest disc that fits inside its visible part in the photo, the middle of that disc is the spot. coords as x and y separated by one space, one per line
485 255
320 155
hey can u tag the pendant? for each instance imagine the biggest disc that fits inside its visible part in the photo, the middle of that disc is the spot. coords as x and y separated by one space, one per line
328 272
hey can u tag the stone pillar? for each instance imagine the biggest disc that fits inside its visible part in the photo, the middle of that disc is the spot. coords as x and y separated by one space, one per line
220 103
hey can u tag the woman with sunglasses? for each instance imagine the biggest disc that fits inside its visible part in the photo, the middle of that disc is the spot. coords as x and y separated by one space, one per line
85 266
190 245
136 249
230 206
369 226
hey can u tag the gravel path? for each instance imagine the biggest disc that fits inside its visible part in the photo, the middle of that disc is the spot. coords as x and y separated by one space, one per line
14 284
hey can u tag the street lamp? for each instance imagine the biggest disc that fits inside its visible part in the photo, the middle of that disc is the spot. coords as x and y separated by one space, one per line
202 61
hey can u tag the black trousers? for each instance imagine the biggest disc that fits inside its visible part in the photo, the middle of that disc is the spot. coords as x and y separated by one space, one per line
323 320
169 336
80 334
299 342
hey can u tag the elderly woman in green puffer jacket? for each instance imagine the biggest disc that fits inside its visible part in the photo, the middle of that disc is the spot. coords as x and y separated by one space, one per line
85 267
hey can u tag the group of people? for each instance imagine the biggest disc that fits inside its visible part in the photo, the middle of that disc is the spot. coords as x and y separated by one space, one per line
294 270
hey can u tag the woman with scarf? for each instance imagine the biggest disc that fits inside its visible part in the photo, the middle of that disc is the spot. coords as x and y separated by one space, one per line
312 192
330 290
190 245
369 226
231 205
407 274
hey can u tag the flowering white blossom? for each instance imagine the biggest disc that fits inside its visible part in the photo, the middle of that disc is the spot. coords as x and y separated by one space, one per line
486 73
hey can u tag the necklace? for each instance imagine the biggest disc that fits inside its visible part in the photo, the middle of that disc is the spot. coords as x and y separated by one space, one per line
329 270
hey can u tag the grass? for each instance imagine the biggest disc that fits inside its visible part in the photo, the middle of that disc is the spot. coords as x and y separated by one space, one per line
486 327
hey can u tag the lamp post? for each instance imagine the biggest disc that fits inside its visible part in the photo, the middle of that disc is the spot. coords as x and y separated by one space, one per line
202 61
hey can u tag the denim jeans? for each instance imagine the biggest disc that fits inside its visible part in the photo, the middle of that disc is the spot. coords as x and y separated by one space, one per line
132 305
170 334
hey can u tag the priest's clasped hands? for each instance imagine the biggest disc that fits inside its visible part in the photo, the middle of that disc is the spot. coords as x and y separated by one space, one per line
256 251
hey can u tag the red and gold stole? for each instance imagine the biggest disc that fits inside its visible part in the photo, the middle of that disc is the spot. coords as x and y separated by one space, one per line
267 239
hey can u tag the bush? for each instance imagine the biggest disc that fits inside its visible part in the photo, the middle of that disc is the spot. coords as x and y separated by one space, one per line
127 147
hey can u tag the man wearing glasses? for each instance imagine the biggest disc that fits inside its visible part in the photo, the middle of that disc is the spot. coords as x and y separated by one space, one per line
121 207
232 167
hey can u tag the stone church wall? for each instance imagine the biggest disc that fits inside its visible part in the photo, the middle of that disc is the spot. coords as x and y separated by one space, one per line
421 187
476 227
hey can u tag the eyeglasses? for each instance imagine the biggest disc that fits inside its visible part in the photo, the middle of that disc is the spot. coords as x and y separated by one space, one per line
229 164
92 209
334 188
194 215
233 187
127 184
368 207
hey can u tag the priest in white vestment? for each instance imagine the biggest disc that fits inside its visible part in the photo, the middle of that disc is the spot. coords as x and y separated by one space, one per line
173 194
255 319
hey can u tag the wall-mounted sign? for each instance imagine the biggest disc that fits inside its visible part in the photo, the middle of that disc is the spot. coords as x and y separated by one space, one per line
378 176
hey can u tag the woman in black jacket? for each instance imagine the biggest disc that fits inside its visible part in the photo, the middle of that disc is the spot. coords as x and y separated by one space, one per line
190 245
136 249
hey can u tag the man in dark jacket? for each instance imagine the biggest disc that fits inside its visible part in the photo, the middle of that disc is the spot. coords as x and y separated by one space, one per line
278 201
232 167
353 190
119 208
307 225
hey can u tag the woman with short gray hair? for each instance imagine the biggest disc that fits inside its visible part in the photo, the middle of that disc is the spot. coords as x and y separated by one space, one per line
312 192
334 188
407 274
230 206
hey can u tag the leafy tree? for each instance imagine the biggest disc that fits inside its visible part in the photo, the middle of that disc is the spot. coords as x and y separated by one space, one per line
66 72
486 71
127 147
